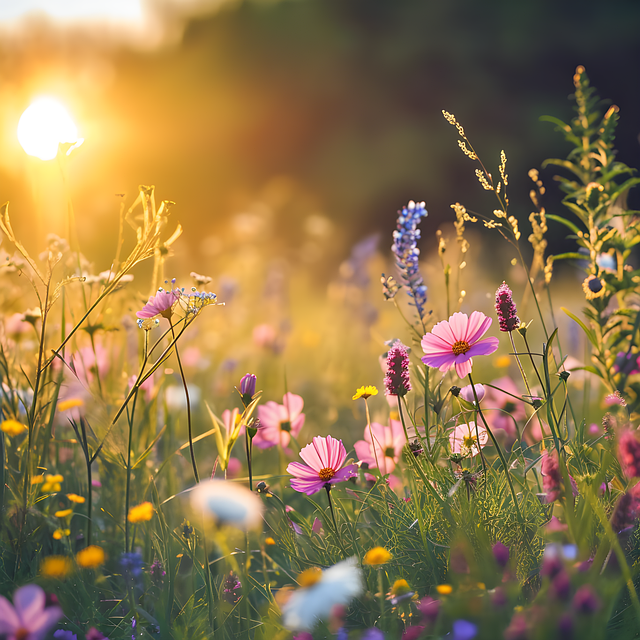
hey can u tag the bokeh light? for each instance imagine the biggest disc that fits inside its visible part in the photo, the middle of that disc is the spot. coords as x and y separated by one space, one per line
43 126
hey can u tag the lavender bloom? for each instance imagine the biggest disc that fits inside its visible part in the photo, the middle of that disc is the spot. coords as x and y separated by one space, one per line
501 554
63 634
464 630
248 387
160 304
157 573
131 565
406 251
629 454
396 380
585 600
506 309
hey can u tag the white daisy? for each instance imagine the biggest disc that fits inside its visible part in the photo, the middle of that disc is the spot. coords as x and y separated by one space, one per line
321 591
227 503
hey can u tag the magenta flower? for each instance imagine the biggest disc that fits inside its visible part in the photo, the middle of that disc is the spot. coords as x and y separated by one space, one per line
466 441
324 458
385 449
629 454
161 304
278 422
396 379
28 618
551 477
506 309
453 342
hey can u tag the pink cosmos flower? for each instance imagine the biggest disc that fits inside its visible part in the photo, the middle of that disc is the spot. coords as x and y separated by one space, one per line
28 618
387 446
278 422
464 440
466 393
324 458
453 342
160 304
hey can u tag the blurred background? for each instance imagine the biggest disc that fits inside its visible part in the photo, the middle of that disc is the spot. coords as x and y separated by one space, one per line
299 124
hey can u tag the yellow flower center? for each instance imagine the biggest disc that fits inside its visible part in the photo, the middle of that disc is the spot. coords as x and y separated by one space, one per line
469 441
309 577
460 347
326 474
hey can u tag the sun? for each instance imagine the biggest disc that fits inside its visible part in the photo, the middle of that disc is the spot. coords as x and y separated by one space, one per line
44 124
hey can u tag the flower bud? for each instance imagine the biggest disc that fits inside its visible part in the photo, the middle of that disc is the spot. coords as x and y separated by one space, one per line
248 387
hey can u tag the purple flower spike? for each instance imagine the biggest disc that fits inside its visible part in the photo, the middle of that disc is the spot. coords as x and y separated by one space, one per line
506 309
501 554
629 454
396 380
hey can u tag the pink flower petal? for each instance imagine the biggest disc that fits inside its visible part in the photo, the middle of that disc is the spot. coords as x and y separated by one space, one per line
484 347
463 369
478 325
302 471
29 602
444 332
312 457
293 405
364 453
307 486
345 473
459 323
444 362
8 617
47 619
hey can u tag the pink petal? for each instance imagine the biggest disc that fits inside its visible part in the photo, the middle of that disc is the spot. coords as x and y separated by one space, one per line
293 404
344 474
443 362
297 424
484 347
312 456
47 619
269 414
478 325
337 453
301 471
29 602
459 323
432 343
8 617
463 369
363 451
307 486
443 331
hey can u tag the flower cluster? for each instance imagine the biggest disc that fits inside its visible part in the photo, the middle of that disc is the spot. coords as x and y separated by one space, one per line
506 309
396 380
405 248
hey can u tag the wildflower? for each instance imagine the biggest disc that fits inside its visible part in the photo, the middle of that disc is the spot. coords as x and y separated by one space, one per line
506 309
406 251
13 427
279 421
140 513
413 632
615 398
384 452
465 440
429 608
626 510
585 600
365 392
64 634
63 513
231 587
160 304
74 497
94 634
72 403
466 393
629 453
58 534
551 477
396 379
518 628
269 541
157 573
453 342
55 566
444 589
52 483
626 363
29 618
376 556
399 592
32 315
464 630
593 287
372 634
131 565
227 503
320 591
501 554
324 459
248 387
90 557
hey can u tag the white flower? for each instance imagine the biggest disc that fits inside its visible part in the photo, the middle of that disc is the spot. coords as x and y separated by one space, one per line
320 592
227 503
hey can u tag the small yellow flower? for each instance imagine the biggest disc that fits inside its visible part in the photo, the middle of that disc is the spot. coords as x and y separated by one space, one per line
309 577
91 557
63 513
444 589
37 479
58 534
55 566
400 588
52 483
502 362
376 556
365 392
141 513
13 427
75 498
72 403
593 287
269 541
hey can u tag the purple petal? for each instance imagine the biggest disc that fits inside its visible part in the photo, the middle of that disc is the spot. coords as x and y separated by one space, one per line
28 602
40 627
444 362
345 473
307 486
484 347
8 617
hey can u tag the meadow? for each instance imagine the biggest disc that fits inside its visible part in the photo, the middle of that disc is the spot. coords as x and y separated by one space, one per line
419 450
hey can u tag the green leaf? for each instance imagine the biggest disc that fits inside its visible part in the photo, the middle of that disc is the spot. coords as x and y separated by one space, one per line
587 332
147 451
561 220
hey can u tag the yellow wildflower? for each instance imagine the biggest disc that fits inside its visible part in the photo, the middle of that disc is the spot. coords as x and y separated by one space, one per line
141 513
365 392
63 513
501 362
37 479
58 534
310 576
13 427
376 556
72 403
55 566
400 588
52 483
91 557
269 541
593 287
75 498
444 589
